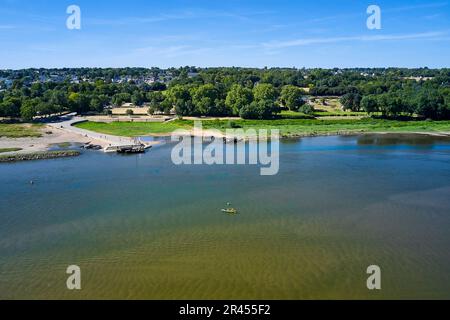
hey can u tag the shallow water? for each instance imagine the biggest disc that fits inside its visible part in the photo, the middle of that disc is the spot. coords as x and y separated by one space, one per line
140 227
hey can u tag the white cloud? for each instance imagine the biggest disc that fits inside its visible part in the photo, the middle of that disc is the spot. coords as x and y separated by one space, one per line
311 41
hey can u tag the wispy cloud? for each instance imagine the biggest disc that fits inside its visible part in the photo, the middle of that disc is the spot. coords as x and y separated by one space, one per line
433 16
312 41
183 15
385 10
419 6
7 27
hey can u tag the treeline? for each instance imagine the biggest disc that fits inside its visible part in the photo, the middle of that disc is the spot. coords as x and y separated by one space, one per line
246 92
260 101
42 99
430 99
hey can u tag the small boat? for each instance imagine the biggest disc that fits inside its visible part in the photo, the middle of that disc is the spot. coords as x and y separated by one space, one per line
230 211
131 149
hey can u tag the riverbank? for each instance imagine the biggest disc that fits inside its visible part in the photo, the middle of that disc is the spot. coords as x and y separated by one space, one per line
24 138
288 127
38 156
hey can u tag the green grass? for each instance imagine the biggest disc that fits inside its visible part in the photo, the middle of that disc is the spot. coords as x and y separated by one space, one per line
20 130
64 144
287 127
340 114
316 127
4 150
285 114
134 129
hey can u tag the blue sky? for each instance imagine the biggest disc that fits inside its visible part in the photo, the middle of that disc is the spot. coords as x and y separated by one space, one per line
252 33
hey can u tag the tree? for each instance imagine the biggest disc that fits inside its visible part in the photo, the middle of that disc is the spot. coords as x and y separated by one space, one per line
206 100
129 112
137 98
120 98
390 104
58 100
179 97
430 104
265 91
237 98
351 101
264 105
306 109
158 86
78 103
10 107
28 109
370 104
292 97
155 99
99 102
261 109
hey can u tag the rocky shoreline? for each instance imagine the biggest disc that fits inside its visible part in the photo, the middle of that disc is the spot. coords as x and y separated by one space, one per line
38 156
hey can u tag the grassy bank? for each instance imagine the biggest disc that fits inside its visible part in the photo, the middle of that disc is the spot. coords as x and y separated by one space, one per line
20 130
288 127
38 156
133 129
337 126
4 150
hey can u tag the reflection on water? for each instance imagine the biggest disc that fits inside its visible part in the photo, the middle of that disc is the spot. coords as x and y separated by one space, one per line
140 227
403 139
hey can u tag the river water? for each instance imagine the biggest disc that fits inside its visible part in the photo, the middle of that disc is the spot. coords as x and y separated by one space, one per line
140 227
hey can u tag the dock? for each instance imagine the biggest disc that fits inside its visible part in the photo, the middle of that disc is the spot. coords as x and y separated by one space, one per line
109 143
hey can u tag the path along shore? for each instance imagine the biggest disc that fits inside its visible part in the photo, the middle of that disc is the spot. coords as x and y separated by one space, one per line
54 134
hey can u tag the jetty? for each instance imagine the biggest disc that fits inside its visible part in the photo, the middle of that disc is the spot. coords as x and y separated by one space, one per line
108 142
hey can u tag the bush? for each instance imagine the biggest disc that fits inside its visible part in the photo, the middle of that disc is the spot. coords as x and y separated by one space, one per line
233 125
306 109
263 109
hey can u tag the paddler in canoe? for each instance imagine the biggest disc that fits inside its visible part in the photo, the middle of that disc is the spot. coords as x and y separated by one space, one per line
230 210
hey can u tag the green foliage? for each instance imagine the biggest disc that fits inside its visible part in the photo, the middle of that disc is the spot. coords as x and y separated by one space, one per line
265 91
226 91
351 101
306 109
292 97
29 109
260 109
237 98
370 104
206 100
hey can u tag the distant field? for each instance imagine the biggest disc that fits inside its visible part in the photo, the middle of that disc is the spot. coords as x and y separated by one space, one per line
287 127
20 130
327 104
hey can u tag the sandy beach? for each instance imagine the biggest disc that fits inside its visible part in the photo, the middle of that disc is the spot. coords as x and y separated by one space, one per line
43 143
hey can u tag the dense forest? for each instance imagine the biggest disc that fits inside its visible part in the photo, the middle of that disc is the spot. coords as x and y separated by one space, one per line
246 92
